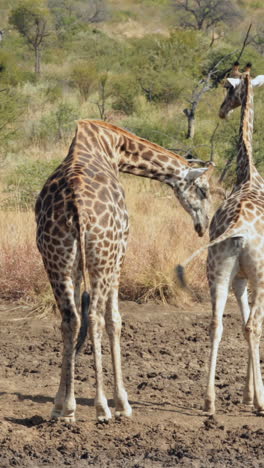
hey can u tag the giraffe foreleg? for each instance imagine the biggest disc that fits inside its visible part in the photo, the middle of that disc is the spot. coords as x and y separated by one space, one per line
113 328
240 291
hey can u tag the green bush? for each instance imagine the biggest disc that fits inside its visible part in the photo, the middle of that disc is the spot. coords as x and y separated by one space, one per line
83 76
160 131
12 74
25 182
57 125
12 107
124 89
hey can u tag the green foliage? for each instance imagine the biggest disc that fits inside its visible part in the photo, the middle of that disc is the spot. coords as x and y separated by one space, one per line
124 90
11 74
57 125
11 110
69 15
31 18
53 93
161 86
160 131
25 181
115 70
83 76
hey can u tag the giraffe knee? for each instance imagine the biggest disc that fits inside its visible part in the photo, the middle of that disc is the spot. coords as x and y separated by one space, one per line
252 329
216 330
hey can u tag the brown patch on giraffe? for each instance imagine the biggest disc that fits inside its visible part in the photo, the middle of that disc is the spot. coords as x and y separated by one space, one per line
163 158
104 220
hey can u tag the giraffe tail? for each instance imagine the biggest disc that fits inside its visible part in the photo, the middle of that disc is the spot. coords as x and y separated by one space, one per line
230 233
85 321
181 275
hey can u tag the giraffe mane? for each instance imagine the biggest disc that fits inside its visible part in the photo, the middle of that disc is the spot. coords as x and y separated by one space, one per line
134 137
247 144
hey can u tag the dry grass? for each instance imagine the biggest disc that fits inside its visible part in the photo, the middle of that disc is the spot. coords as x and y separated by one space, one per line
161 235
22 274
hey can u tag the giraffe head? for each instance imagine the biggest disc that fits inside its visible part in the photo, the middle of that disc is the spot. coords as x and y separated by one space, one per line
193 192
236 86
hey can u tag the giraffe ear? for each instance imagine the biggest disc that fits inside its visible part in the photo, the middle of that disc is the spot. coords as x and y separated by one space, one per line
258 81
234 81
192 174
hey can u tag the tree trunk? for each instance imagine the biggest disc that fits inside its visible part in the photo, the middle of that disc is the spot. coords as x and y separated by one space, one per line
191 122
37 60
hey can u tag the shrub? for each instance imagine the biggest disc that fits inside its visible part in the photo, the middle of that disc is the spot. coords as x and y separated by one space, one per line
83 76
57 125
124 90
24 183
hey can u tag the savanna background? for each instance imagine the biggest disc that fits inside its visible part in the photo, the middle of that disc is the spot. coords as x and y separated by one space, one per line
154 67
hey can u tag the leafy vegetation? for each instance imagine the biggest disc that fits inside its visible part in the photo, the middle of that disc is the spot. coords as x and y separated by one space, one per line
150 66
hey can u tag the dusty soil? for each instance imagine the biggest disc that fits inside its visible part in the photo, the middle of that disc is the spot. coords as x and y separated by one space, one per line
165 357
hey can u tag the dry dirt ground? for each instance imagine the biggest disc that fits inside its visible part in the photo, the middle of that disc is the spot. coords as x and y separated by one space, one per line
165 358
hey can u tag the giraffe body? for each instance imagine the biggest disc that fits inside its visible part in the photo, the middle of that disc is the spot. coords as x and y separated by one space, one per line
238 258
82 225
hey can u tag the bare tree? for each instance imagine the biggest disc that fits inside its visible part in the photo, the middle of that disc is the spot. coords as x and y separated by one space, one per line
204 14
103 95
32 22
211 79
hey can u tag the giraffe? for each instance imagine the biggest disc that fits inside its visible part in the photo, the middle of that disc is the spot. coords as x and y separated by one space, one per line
235 254
82 226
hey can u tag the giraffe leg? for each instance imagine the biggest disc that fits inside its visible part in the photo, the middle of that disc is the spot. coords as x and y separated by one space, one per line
113 328
221 270
240 291
96 326
253 333
64 403
219 297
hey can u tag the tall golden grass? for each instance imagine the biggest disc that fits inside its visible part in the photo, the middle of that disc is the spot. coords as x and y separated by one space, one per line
161 235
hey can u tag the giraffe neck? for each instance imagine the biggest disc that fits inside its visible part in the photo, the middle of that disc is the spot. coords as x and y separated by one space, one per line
149 161
245 166
131 154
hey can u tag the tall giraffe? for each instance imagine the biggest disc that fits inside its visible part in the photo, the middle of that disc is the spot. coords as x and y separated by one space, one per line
82 223
235 255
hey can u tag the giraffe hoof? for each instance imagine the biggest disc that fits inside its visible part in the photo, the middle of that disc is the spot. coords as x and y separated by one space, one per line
103 415
55 414
248 402
248 406
67 419
209 408
126 411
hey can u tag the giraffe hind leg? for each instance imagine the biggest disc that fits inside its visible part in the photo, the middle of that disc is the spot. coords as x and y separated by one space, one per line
96 326
113 328
221 269
253 333
64 403
240 291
